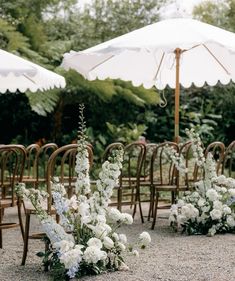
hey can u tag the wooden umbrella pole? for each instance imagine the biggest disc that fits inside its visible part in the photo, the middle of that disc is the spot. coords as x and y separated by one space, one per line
177 93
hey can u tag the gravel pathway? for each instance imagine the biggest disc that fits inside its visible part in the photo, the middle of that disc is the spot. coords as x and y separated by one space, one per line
170 257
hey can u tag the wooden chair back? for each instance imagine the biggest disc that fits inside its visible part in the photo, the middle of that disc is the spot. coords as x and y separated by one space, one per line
217 149
228 167
61 165
12 161
163 171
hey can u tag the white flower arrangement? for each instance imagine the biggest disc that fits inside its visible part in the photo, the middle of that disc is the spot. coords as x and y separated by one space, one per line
85 242
209 207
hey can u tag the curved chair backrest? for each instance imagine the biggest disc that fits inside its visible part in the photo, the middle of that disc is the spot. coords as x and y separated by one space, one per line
43 156
31 161
12 161
194 172
146 167
133 161
228 167
61 164
110 148
163 171
217 149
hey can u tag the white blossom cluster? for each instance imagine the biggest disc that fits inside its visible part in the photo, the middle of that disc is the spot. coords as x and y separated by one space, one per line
82 168
209 208
87 233
197 147
177 159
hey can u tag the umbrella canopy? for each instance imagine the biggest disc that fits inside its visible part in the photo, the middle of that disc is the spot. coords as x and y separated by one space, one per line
169 52
19 74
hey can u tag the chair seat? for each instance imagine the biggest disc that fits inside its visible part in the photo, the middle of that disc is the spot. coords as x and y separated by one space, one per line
7 203
165 187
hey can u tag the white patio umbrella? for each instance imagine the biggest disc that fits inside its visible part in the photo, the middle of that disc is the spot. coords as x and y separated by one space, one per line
20 74
169 52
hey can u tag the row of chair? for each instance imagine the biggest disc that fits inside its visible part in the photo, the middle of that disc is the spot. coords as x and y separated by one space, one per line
146 172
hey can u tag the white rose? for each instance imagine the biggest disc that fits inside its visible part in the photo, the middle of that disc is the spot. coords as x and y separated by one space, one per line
127 218
216 214
115 236
121 246
95 242
144 239
93 254
122 238
206 209
224 189
212 194
230 221
217 205
108 243
114 215
201 202
232 192
227 210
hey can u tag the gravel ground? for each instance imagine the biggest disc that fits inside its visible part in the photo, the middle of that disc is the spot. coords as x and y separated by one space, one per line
170 257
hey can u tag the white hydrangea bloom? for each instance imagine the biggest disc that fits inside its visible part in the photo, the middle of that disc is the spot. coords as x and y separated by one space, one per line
114 215
227 210
72 258
127 218
144 239
108 242
93 254
230 221
216 214
95 242
212 194
217 205
123 238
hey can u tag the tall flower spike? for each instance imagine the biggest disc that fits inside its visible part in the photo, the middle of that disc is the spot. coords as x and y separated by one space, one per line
82 158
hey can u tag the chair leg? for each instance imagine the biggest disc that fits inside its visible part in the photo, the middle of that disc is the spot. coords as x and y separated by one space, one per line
20 218
132 196
26 238
119 203
151 204
1 211
141 213
137 201
155 210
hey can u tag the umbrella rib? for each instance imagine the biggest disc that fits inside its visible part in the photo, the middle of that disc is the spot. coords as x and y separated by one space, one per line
109 58
155 76
31 80
216 59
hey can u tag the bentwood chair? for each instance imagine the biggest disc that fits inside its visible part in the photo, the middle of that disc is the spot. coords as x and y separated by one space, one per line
145 177
31 165
43 156
61 165
217 149
164 177
12 161
128 189
194 173
110 148
228 167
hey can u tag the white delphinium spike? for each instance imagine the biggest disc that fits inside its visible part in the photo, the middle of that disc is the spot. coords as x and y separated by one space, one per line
197 147
82 185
